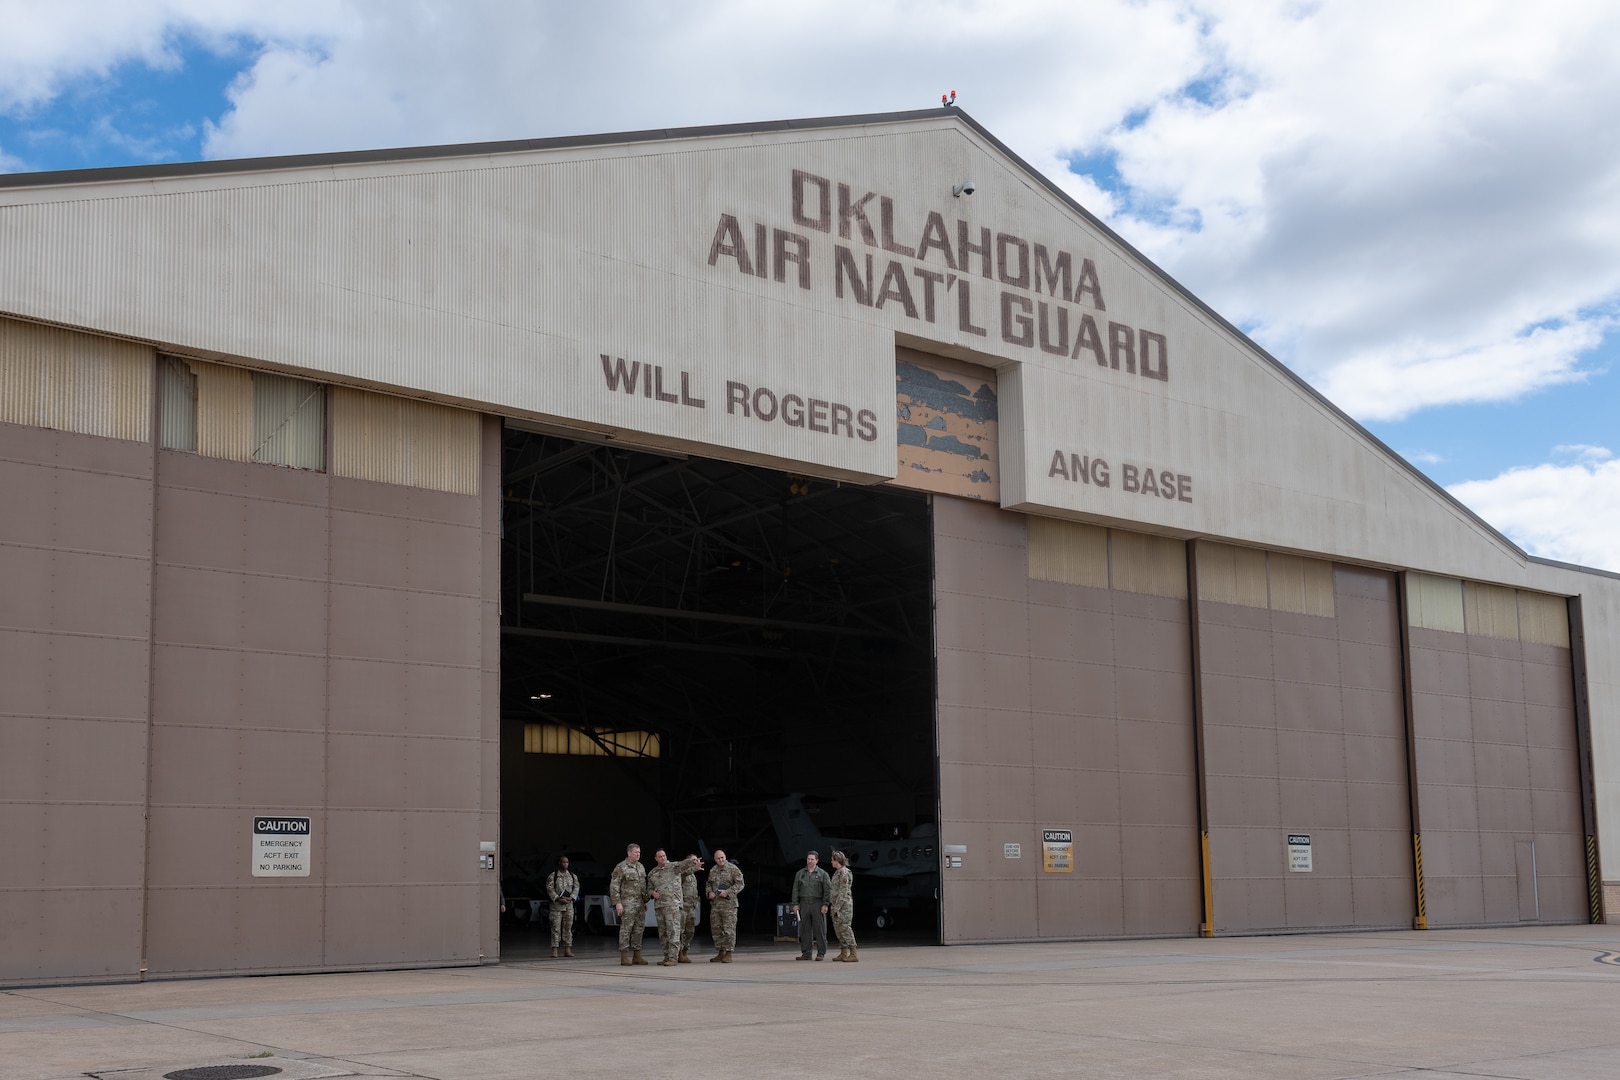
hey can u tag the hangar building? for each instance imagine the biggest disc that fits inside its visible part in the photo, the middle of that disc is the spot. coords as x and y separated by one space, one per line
378 524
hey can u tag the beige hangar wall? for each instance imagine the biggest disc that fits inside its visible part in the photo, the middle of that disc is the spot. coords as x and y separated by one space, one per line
650 288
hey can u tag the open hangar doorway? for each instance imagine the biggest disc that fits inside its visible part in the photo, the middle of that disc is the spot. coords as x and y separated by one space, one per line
700 654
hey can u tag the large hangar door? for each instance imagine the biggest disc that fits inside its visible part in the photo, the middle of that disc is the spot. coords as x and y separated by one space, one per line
1065 706
1493 696
1065 695
698 654
1304 734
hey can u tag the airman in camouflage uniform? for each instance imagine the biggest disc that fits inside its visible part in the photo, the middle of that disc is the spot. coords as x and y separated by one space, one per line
842 907
725 882
562 889
812 889
689 911
627 888
664 884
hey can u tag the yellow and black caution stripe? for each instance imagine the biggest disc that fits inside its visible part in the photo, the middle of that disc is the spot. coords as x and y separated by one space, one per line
1422 920
1594 887
1208 928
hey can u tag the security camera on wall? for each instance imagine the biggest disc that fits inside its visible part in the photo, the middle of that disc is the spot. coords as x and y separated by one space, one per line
966 187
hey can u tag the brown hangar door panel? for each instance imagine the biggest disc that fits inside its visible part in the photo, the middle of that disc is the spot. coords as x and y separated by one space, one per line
1304 736
1064 707
1496 743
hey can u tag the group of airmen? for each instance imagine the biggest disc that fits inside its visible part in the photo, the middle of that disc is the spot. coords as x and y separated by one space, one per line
673 889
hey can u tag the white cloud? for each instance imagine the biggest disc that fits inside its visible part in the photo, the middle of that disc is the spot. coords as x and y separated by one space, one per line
48 43
154 147
1568 511
1586 455
1393 380
1047 75
1415 204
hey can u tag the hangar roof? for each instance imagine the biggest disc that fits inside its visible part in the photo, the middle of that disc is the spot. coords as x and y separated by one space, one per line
1035 399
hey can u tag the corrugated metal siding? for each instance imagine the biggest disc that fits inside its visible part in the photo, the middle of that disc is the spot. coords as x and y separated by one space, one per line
1302 586
224 412
1154 565
177 404
289 421
81 383
1232 575
1491 611
1068 552
399 441
1434 603
1544 619
1099 558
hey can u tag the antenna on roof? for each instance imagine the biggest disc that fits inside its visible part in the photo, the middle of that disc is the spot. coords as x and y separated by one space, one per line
946 101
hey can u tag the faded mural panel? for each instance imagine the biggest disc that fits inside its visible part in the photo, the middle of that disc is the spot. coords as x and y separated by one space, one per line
946 416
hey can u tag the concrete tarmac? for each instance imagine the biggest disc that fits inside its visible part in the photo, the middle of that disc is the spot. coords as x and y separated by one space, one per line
1528 1003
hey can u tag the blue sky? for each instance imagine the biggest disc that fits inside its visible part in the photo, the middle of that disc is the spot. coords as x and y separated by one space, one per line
134 114
1417 208
1453 443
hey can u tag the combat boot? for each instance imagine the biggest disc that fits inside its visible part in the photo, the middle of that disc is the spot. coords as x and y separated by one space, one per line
854 957
726 959
683 958
636 958
667 963
554 952
624 957
843 954
719 957
568 950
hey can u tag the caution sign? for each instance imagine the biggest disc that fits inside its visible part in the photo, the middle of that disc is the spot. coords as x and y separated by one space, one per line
1057 851
1299 853
281 847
